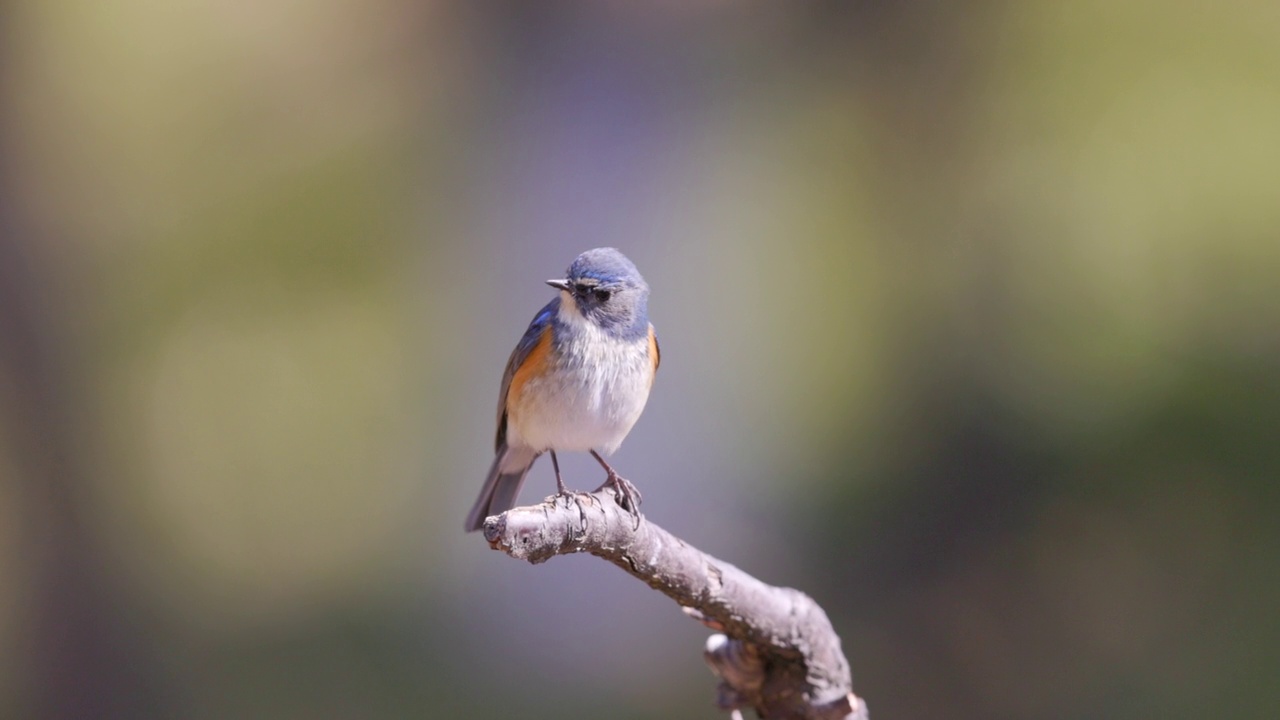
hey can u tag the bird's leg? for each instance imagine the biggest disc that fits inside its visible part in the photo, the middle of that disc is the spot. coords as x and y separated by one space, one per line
560 488
628 496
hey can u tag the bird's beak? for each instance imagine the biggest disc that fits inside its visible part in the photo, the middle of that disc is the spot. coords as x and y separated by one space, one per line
560 284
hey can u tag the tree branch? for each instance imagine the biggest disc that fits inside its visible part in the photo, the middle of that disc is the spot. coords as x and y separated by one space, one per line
778 653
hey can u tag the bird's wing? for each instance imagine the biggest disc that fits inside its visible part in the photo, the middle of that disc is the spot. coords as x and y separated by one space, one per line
532 336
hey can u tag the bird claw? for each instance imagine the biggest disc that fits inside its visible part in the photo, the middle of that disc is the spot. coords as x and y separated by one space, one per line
626 493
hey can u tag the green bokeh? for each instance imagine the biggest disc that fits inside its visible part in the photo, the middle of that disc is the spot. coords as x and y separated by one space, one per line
969 316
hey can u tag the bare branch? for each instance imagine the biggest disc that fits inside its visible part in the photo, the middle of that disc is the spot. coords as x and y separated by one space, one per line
778 653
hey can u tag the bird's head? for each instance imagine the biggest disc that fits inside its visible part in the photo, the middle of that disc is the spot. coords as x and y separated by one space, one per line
605 288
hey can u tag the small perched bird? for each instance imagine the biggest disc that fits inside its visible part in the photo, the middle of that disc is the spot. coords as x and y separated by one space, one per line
577 381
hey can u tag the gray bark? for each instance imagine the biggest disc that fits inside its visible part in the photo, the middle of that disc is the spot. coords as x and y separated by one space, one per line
775 650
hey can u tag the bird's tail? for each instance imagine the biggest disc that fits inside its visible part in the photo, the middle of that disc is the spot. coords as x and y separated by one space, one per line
503 484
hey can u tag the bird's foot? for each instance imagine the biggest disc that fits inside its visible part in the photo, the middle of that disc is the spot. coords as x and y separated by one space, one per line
627 494
564 496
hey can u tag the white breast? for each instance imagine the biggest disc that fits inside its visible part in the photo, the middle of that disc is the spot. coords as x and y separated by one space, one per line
595 393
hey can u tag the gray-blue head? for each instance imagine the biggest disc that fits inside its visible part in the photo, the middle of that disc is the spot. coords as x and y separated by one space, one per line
604 287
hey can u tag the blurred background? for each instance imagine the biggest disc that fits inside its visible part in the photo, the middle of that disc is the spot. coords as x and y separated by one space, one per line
970 315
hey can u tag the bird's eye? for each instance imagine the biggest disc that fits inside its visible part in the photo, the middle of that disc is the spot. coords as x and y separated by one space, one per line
602 295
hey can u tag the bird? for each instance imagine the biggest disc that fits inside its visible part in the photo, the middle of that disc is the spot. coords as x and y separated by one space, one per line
577 381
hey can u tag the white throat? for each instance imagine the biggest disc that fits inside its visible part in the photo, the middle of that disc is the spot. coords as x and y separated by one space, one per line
570 313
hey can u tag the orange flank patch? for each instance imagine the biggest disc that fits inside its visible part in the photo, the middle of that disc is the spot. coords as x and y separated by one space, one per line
535 365
655 355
